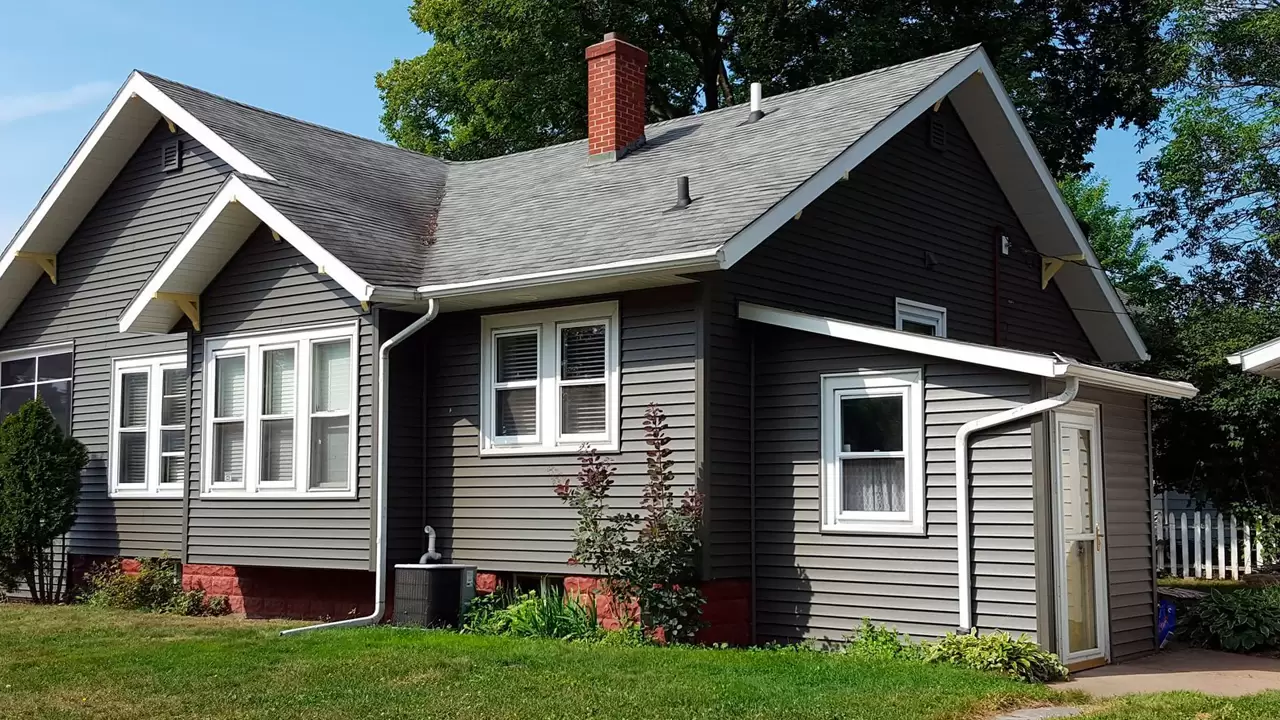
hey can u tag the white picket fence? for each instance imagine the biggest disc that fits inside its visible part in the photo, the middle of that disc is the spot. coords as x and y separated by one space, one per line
1207 544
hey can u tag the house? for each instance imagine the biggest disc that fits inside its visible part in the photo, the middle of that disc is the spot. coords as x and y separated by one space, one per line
288 349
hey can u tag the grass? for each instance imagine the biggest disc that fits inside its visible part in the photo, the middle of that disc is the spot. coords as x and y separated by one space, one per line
79 662
1189 705
1205 584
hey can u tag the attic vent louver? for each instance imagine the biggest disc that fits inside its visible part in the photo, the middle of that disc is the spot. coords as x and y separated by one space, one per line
937 132
171 156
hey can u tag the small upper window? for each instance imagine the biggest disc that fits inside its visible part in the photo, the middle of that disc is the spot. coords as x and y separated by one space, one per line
148 450
873 452
920 318
44 374
551 380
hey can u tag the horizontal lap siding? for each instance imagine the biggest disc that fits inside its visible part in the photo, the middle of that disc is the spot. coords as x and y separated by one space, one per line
501 513
819 585
101 268
919 224
728 441
406 462
1127 504
269 285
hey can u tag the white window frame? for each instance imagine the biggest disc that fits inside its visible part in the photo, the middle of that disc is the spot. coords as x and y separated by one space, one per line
918 312
253 347
547 324
154 368
38 352
908 384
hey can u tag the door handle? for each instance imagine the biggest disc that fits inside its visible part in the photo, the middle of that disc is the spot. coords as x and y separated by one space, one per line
1097 537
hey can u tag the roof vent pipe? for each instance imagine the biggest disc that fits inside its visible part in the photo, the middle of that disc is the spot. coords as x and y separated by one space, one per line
757 99
682 191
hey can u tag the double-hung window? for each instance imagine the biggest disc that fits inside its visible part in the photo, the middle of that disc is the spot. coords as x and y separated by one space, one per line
148 448
873 452
920 318
43 373
550 380
281 421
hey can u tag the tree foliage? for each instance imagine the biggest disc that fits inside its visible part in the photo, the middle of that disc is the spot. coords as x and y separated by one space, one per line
507 76
39 487
1212 187
1125 255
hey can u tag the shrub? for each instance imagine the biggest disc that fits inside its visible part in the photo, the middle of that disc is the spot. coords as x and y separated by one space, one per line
1237 621
880 643
156 587
997 652
39 488
648 560
551 615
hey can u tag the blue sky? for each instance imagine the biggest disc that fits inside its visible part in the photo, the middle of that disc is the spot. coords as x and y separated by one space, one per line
61 61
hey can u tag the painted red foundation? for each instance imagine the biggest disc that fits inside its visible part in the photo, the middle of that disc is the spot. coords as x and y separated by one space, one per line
301 594
727 610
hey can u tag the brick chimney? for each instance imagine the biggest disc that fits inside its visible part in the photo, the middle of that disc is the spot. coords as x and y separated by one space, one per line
615 98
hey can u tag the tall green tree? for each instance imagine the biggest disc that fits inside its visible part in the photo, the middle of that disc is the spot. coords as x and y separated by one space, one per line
1125 255
1213 186
508 76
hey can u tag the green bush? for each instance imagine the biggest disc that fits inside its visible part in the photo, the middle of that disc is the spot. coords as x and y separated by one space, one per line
881 643
156 587
1236 621
997 652
551 615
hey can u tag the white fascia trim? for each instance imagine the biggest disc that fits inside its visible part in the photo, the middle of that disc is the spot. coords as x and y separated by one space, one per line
764 226
136 86
695 261
1014 360
235 191
1049 366
1259 358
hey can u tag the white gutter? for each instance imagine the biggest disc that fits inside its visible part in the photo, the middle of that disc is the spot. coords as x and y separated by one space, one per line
963 531
380 542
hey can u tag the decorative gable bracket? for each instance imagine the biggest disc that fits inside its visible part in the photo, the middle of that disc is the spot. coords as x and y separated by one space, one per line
188 304
1049 266
47 262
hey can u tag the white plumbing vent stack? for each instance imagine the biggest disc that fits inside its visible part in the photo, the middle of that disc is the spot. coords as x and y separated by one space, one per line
757 101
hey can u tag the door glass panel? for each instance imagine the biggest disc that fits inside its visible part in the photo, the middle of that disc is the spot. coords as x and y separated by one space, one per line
1077 481
1082 608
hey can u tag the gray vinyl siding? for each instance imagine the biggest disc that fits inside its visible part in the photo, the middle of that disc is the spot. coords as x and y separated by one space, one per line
269 285
501 513
121 241
854 250
1127 503
812 584
406 428
866 241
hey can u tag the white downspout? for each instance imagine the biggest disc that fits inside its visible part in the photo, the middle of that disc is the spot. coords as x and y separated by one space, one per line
963 531
380 539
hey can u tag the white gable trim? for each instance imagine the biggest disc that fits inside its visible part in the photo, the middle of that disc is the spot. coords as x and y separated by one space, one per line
234 192
18 280
977 63
1262 359
1047 366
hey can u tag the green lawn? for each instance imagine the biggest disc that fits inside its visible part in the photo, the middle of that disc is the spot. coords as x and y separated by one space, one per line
78 662
1205 584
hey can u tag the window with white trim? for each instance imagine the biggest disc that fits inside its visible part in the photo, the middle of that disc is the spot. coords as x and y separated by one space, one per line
873 452
147 454
550 380
920 318
40 372
281 421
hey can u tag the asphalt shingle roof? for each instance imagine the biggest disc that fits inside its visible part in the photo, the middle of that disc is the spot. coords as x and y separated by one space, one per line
401 218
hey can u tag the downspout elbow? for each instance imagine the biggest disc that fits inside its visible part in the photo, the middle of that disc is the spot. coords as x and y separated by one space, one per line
963 531
380 531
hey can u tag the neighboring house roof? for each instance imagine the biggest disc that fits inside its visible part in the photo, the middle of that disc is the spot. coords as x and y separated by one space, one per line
1020 361
1262 359
403 226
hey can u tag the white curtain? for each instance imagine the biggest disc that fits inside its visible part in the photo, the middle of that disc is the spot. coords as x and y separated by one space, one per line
873 485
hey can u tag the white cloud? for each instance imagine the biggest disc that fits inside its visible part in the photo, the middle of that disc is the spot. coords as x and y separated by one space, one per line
19 107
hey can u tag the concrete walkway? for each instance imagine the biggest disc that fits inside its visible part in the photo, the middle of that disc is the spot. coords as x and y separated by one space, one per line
1197 670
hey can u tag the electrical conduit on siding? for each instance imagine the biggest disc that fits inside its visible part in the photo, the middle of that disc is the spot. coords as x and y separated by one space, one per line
380 542
963 529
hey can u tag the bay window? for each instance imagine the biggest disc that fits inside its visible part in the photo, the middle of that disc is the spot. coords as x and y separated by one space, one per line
550 380
148 444
282 419
873 452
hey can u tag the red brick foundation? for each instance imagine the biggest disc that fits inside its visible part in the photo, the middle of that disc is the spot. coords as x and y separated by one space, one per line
727 610
301 594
